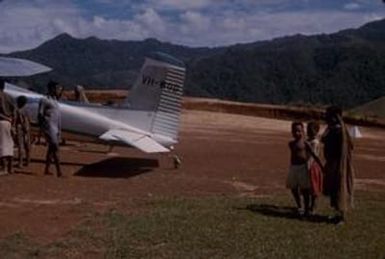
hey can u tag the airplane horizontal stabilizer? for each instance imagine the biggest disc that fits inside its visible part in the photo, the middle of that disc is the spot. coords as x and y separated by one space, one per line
140 141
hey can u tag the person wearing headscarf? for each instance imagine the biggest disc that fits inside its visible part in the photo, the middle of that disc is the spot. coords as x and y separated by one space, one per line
339 173
6 141
50 124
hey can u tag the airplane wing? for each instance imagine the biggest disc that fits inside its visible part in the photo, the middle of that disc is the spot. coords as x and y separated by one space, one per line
140 141
12 67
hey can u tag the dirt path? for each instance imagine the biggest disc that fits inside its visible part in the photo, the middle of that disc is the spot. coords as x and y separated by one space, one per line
222 154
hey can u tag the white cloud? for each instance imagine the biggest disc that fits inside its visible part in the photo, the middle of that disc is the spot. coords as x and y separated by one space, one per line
352 6
373 17
152 21
26 24
237 27
111 29
196 21
180 4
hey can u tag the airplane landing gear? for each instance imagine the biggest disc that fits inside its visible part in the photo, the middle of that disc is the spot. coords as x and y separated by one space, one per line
176 161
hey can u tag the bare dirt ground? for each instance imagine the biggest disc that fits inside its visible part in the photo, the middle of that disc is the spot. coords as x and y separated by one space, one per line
222 154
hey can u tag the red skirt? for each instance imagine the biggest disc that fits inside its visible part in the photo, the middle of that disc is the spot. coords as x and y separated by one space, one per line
316 179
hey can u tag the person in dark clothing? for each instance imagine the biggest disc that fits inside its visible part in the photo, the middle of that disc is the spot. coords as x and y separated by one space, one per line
339 175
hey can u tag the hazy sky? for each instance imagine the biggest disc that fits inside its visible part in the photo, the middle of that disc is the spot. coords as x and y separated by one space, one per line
27 23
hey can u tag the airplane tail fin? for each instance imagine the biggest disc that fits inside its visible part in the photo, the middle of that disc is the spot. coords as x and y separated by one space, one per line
158 92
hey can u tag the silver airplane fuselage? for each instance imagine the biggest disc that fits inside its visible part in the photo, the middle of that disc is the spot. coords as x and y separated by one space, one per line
91 120
148 119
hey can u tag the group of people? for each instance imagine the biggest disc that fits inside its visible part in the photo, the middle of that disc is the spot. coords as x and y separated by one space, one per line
309 177
15 129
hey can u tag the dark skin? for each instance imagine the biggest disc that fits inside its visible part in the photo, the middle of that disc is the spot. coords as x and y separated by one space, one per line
6 161
299 156
298 152
26 147
333 143
312 134
52 156
53 151
332 140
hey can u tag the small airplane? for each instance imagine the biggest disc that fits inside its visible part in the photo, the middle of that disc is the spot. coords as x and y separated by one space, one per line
148 119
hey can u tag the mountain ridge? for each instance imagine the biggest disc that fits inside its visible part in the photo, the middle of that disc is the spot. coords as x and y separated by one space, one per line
342 68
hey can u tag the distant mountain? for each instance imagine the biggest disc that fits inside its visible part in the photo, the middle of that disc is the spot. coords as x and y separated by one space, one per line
100 63
345 68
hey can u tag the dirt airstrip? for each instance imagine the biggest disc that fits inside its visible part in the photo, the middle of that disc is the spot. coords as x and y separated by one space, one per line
222 154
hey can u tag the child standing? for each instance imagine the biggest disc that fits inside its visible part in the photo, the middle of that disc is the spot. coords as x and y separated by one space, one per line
23 135
314 164
298 179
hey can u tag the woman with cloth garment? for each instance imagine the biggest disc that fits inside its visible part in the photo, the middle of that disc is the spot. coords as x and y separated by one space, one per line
7 110
339 174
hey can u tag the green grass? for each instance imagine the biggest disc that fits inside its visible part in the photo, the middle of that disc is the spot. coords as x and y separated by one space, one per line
234 228
223 228
18 246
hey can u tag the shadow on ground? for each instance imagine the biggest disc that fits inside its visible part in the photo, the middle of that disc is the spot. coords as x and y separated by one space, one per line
284 212
118 167
42 161
105 152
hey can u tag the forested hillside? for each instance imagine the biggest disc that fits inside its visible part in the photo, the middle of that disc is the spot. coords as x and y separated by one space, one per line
346 68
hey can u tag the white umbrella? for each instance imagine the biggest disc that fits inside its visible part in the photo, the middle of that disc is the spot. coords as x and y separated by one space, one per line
14 67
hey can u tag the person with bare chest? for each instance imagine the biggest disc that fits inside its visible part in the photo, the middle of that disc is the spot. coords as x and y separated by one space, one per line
298 180
50 124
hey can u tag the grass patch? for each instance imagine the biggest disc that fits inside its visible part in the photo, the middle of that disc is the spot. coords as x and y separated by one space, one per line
219 228
18 246
222 227
86 240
